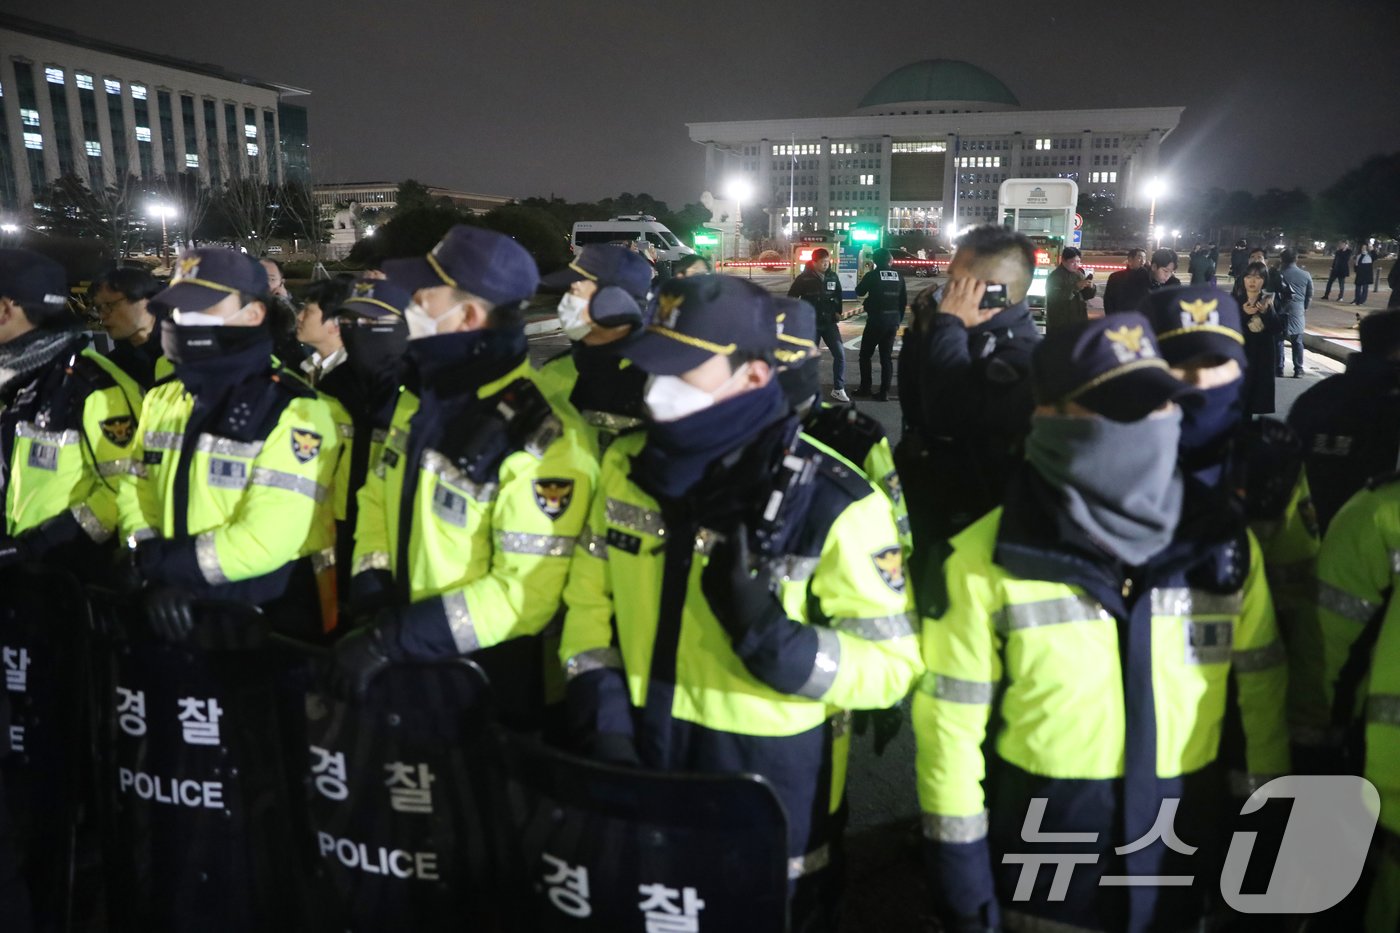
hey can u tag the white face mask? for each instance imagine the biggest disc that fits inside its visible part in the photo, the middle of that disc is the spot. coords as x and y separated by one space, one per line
671 398
572 316
422 324
200 319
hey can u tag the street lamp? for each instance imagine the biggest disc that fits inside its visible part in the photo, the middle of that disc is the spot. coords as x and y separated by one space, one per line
164 212
738 189
1154 190
1176 235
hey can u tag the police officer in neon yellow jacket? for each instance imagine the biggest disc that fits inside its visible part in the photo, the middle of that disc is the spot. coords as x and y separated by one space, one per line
735 588
1090 628
468 520
230 492
1359 665
67 418
592 385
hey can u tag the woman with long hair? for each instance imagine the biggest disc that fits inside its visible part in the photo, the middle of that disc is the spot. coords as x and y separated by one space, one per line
1261 325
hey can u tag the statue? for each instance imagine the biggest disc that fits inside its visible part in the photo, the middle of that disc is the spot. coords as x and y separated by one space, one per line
348 217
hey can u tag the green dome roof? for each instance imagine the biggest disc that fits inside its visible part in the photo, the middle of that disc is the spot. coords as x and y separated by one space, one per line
938 79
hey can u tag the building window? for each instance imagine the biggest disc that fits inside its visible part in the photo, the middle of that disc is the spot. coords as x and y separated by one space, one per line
83 81
191 160
28 117
138 92
250 130
919 147
93 148
53 75
112 87
33 141
1042 144
143 134
252 149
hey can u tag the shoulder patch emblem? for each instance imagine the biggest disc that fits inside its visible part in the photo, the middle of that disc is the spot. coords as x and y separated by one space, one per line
305 445
889 562
553 496
893 488
119 430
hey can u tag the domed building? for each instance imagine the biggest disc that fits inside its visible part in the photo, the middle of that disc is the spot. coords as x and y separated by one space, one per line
925 150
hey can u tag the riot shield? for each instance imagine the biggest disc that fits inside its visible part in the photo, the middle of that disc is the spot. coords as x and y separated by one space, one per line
595 847
200 831
393 784
44 656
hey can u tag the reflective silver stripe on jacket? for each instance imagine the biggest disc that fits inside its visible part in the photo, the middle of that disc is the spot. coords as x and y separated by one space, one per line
1250 660
117 467
595 545
374 560
1339 601
1050 612
634 518
92 525
1184 601
1383 709
323 560
227 446
609 421
163 440
824 665
346 431
57 438
206 554
1016 921
840 724
793 569
277 479
877 628
955 690
941 828
378 436
139 535
459 622
595 659
815 860
1242 785
447 472
1209 641
518 542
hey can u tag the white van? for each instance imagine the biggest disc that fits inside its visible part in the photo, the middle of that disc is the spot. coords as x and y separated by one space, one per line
630 227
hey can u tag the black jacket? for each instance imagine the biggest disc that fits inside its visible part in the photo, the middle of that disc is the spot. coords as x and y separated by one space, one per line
821 291
1066 298
1341 263
1349 425
967 405
883 291
1126 289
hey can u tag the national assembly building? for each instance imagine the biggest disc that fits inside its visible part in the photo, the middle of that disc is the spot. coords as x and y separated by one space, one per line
926 151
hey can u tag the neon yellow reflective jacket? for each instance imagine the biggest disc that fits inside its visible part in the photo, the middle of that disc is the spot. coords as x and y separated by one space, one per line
597 429
493 551
70 444
256 500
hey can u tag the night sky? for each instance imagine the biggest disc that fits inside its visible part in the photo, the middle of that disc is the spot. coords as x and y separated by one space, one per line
589 99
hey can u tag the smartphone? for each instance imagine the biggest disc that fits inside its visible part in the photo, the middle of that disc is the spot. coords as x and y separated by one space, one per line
994 296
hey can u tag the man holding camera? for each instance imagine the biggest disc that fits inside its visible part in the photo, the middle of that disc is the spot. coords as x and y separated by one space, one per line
1067 292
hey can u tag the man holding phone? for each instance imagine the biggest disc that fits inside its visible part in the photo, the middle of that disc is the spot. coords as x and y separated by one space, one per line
966 396
1067 292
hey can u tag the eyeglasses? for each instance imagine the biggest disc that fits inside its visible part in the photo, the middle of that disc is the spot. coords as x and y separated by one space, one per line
104 307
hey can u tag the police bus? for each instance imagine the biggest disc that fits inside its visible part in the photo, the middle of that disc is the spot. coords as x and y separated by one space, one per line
639 227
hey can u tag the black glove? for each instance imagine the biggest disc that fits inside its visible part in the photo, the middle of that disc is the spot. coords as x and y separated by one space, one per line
365 651
742 600
170 612
12 551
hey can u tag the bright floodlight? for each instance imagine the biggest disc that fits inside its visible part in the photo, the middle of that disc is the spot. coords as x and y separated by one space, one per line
161 210
1176 233
9 228
1155 188
738 189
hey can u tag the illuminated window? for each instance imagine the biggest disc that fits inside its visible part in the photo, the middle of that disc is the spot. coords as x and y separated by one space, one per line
93 148
83 81
191 160
28 117
113 87
138 92
1113 177
33 141
143 134
252 149
1042 144
250 130
919 147
53 75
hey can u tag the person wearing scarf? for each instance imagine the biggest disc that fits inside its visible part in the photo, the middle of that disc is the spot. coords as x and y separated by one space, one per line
1080 642
736 588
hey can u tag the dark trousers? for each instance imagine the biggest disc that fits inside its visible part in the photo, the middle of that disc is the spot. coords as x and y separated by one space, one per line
1361 291
830 334
1296 340
1341 281
880 330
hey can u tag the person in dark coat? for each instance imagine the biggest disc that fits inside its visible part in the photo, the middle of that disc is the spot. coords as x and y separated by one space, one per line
1349 424
1126 288
1239 258
966 396
1365 274
1341 269
1200 266
1294 301
819 286
1261 324
1068 289
1163 271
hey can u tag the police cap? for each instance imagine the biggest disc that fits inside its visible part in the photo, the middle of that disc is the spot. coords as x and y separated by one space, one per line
207 275
32 280
1195 321
795 331
375 298
1111 366
604 265
485 263
701 316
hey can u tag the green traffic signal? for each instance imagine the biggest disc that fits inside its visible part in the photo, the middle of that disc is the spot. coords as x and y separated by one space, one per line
865 233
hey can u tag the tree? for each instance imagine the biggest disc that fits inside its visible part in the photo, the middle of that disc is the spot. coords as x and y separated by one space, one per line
301 217
192 199
538 231
114 215
1365 202
411 196
251 206
408 234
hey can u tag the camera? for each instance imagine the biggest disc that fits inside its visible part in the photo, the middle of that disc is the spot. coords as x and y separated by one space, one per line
994 296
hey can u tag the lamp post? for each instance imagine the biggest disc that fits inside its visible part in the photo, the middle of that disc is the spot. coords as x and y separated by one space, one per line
1154 188
738 190
164 212
1176 235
